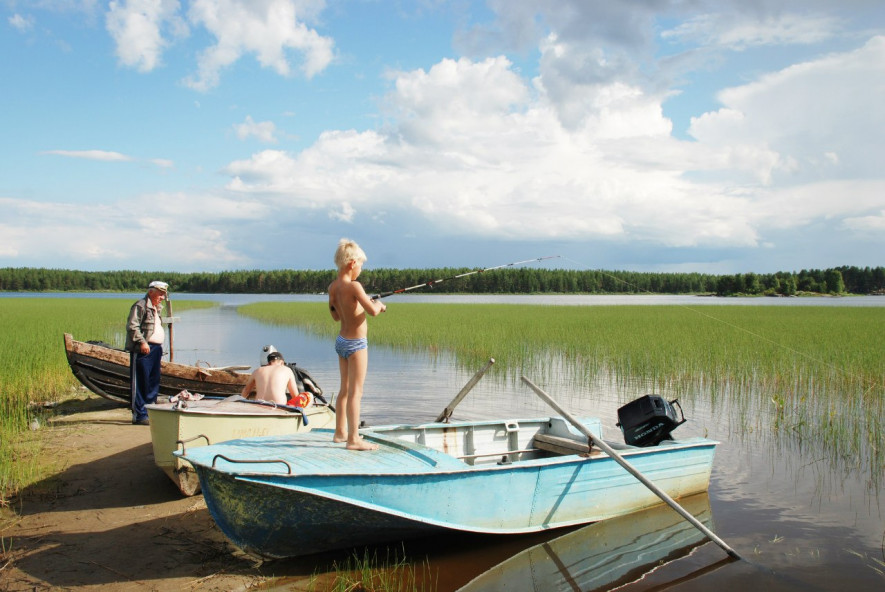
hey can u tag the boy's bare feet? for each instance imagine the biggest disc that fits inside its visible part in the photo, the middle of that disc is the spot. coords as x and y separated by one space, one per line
361 444
339 439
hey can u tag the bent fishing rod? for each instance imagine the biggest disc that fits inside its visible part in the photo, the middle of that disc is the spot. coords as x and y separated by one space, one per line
432 283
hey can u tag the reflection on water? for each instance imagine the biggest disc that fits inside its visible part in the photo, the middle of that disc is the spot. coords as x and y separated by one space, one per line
601 556
780 502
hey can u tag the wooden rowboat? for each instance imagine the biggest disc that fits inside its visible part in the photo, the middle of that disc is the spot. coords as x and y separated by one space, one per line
282 496
190 424
104 370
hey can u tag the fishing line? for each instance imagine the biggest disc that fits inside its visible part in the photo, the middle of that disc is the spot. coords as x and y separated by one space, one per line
432 283
805 355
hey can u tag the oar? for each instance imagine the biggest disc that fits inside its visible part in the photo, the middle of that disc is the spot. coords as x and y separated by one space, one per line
241 399
447 412
632 470
431 283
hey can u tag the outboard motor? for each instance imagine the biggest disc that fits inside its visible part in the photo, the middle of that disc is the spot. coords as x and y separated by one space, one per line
265 351
648 420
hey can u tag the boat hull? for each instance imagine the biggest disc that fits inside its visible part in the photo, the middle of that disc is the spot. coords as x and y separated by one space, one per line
310 495
206 422
105 372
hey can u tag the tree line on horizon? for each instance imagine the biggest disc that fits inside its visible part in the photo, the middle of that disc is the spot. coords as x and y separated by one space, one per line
838 280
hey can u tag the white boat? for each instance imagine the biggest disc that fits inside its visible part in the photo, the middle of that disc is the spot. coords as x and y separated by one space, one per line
185 425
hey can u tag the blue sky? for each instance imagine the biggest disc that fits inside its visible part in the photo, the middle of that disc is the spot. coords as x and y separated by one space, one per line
209 135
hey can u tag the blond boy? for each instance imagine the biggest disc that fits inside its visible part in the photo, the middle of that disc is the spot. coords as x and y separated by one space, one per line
349 304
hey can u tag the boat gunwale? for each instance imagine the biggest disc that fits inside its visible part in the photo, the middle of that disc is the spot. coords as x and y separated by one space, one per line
249 410
433 467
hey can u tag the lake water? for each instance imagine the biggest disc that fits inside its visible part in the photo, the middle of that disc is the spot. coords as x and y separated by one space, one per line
799 522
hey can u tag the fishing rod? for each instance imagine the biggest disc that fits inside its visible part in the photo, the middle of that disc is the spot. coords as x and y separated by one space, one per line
432 283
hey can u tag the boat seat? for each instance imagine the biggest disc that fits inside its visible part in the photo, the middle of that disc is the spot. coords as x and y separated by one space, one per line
560 445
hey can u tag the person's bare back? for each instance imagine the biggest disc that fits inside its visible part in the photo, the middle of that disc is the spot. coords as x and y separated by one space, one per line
271 382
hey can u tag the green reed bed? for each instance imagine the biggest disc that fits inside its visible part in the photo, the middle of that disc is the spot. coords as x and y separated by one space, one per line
34 369
819 369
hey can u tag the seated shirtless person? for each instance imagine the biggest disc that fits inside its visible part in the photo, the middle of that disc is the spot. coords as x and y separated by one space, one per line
271 382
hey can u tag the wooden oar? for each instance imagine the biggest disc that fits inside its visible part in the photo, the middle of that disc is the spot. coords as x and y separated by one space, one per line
632 470
447 412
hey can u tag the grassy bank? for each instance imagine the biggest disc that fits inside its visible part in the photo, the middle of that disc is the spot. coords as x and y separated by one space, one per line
33 367
816 371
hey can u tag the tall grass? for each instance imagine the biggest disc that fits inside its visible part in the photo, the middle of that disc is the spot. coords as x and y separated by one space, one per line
34 369
820 368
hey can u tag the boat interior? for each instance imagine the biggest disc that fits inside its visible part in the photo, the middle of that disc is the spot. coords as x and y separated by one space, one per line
502 441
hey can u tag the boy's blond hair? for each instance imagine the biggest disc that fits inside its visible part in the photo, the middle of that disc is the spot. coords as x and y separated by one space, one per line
348 251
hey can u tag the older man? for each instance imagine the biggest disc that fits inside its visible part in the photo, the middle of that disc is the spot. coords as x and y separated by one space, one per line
144 342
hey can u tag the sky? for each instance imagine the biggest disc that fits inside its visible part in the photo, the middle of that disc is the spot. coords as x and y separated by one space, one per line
711 136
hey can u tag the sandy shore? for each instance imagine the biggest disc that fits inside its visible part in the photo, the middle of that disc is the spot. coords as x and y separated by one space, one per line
110 519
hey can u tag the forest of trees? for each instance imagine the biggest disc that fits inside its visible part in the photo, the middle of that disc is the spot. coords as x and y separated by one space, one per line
839 280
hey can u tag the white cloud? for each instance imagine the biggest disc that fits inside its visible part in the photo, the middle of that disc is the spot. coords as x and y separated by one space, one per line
814 117
738 31
873 224
495 164
471 147
271 30
137 27
265 28
108 156
104 234
263 131
344 214
102 155
22 23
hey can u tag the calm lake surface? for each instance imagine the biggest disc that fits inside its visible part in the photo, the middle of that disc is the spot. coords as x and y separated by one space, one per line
800 522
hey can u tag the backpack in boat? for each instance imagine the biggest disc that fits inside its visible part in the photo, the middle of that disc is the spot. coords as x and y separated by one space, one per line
306 382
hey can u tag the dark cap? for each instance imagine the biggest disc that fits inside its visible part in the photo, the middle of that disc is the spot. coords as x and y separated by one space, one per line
274 356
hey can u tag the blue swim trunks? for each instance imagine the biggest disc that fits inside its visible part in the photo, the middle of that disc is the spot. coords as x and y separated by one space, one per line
348 347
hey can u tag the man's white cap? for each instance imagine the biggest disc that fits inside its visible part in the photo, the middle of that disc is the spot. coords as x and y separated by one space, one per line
161 286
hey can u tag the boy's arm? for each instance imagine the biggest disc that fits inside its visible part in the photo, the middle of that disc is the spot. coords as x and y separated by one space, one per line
372 307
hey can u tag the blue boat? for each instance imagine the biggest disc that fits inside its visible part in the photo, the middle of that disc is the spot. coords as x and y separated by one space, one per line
298 494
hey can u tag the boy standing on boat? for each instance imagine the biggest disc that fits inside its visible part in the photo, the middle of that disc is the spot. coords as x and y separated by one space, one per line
349 304
270 382
144 342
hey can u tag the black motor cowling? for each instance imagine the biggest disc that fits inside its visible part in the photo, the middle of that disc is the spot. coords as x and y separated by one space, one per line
648 420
